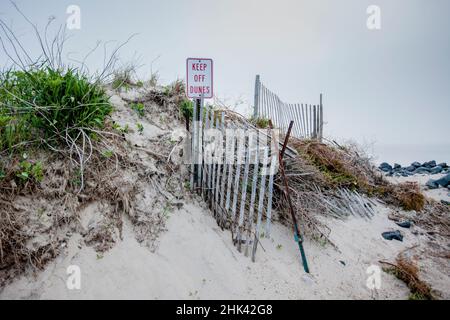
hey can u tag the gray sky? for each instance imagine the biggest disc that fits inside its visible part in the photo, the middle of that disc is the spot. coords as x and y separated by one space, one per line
390 86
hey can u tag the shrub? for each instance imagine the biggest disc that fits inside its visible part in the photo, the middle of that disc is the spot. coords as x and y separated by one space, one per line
260 122
408 271
29 170
409 196
44 104
187 108
140 128
334 164
139 108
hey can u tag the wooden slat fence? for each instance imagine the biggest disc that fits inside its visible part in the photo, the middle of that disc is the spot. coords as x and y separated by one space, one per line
308 119
233 167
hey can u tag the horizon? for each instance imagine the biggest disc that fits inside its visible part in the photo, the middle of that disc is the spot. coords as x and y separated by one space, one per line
383 87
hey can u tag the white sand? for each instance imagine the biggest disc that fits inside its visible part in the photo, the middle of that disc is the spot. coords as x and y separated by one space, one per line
196 260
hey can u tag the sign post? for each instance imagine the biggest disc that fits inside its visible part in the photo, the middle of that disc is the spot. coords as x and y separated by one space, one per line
199 85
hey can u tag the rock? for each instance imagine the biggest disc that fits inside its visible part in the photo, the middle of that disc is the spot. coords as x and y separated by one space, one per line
386 167
342 262
429 164
436 170
404 224
416 164
404 174
444 181
445 202
431 184
397 166
422 170
392 235
443 165
410 168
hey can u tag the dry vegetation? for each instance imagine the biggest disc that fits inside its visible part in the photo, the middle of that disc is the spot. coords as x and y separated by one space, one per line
407 270
61 152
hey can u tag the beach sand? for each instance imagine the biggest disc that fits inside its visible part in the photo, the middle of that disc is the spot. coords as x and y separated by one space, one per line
195 259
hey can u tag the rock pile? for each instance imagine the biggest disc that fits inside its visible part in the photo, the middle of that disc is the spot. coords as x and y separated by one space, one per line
442 182
429 167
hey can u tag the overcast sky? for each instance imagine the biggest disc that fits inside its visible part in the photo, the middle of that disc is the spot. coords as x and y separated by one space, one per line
389 86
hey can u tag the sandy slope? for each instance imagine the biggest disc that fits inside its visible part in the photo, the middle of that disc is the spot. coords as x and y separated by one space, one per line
195 259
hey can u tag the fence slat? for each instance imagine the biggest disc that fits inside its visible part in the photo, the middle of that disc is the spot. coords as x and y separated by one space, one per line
231 141
315 122
262 191
252 197
305 129
220 168
273 165
240 150
248 154
211 161
299 119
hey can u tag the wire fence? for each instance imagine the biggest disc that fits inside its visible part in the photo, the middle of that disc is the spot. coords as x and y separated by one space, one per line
308 119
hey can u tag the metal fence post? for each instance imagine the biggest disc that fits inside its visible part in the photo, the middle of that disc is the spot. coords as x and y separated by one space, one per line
256 102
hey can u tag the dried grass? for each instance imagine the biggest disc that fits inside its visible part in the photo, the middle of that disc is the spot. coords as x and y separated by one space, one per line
407 270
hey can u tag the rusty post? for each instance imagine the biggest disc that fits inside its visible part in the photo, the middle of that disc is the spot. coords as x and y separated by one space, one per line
297 236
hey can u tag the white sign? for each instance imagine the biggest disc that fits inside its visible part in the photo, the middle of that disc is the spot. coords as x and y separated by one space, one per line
199 78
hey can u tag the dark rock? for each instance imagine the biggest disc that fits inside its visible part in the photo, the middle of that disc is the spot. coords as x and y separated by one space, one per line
404 224
416 164
445 202
397 166
431 184
342 262
392 235
404 174
436 170
443 165
444 181
386 167
429 164
410 168
422 170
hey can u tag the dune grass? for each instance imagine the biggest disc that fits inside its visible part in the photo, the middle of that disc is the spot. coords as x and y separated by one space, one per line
44 106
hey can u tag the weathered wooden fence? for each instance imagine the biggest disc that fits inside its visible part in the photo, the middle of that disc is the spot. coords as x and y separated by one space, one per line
308 119
232 168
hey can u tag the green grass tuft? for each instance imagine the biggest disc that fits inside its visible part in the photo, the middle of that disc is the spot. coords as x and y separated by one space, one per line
187 108
44 105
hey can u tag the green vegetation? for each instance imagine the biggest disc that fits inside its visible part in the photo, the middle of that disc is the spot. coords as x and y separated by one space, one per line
43 106
139 108
186 108
29 170
140 128
260 122
117 127
107 154
123 78
333 164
